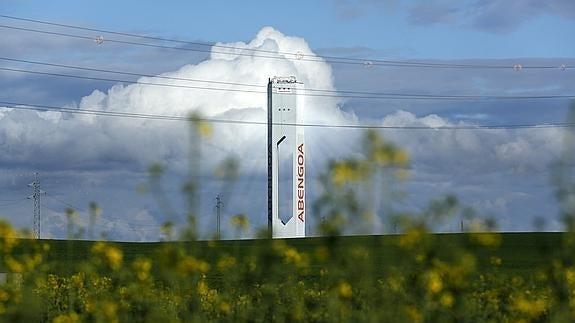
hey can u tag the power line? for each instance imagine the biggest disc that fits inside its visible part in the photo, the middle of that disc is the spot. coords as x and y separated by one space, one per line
183 42
92 69
12 200
124 42
343 94
337 93
127 81
285 55
106 31
64 203
36 107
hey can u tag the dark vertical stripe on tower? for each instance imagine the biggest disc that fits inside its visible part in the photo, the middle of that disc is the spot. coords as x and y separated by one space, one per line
270 139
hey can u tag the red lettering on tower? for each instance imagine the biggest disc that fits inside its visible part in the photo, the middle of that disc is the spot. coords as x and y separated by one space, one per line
300 183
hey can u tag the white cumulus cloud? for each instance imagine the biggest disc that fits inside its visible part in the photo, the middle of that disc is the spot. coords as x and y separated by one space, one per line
64 141
140 141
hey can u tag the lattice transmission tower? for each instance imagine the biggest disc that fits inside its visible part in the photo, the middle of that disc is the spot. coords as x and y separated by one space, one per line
36 193
219 205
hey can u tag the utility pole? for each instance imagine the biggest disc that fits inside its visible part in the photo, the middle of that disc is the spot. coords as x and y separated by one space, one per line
219 205
36 193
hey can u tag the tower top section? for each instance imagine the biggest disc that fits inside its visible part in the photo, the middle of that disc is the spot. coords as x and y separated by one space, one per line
283 80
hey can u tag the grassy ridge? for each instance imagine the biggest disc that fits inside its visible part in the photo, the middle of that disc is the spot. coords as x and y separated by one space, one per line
520 253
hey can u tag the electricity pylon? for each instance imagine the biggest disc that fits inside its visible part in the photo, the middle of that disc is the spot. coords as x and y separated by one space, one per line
36 193
219 204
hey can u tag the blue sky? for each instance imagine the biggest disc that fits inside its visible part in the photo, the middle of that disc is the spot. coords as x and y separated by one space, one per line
503 173
407 29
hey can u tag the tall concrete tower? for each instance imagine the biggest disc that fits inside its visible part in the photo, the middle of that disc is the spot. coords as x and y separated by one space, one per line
286 159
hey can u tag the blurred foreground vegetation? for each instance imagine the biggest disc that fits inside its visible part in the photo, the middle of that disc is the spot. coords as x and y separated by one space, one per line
416 276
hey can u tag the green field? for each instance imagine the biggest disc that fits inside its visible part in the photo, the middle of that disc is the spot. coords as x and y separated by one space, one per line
520 253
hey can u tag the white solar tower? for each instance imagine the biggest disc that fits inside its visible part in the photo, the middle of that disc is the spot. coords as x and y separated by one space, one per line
286 159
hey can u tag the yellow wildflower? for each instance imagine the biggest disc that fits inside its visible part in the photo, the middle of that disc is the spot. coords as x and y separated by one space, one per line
14 265
110 311
347 171
67 318
395 283
240 221
447 300
411 238
202 287
225 308
532 308
344 290
226 263
495 261
292 256
490 239
400 158
203 128
413 314
142 268
7 237
108 254
570 276
433 282
191 264
3 296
